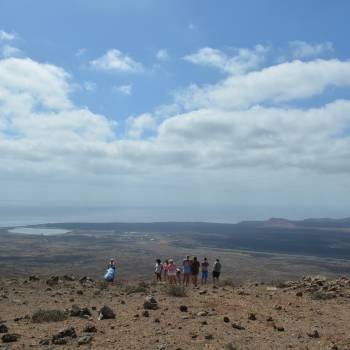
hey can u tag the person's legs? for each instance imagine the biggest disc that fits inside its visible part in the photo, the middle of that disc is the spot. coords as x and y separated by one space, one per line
186 279
217 278
195 280
204 277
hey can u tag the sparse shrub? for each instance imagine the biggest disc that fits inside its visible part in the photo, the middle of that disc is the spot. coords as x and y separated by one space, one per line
41 316
175 290
281 284
136 288
228 282
319 295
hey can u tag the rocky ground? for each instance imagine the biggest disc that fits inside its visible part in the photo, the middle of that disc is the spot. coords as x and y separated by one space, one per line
66 313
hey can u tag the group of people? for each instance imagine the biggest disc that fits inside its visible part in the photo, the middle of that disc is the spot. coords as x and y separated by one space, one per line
168 271
187 272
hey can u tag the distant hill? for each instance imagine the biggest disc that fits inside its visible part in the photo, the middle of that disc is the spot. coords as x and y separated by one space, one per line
203 227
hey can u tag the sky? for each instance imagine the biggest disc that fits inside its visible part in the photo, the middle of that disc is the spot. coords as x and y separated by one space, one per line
191 110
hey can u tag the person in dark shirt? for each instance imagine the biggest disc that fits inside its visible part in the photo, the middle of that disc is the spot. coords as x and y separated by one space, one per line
216 271
195 271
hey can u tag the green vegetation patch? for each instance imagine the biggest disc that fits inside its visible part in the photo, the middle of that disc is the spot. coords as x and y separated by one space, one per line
319 295
175 290
41 316
136 288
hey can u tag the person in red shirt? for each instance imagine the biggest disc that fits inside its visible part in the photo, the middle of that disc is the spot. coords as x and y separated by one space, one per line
172 271
165 269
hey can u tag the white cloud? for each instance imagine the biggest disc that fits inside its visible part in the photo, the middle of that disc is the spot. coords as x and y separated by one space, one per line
240 123
137 126
280 83
123 89
45 85
274 138
162 55
81 52
243 61
302 49
10 51
7 36
115 60
89 86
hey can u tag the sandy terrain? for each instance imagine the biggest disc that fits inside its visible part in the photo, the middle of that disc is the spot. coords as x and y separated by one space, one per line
286 316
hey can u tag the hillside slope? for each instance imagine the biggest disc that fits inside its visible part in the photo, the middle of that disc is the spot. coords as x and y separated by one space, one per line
312 313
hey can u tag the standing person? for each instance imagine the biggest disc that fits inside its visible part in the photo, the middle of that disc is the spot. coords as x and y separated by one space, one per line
165 269
205 271
112 264
186 265
195 271
216 271
111 271
158 270
172 272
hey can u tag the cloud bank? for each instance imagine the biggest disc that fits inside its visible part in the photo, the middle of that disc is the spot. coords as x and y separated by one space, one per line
243 121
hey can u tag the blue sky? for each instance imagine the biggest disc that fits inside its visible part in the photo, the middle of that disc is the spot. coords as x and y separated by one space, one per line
55 31
150 102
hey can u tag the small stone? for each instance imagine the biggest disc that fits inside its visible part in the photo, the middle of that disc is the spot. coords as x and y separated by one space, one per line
90 328
145 313
52 281
3 328
252 317
299 294
60 341
183 308
10 337
313 334
68 332
86 339
34 278
237 326
226 319
106 313
157 320
278 328
44 342
69 278
209 336
202 313
150 303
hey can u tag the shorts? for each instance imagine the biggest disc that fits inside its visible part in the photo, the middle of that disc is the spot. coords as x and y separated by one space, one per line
216 274
205 275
